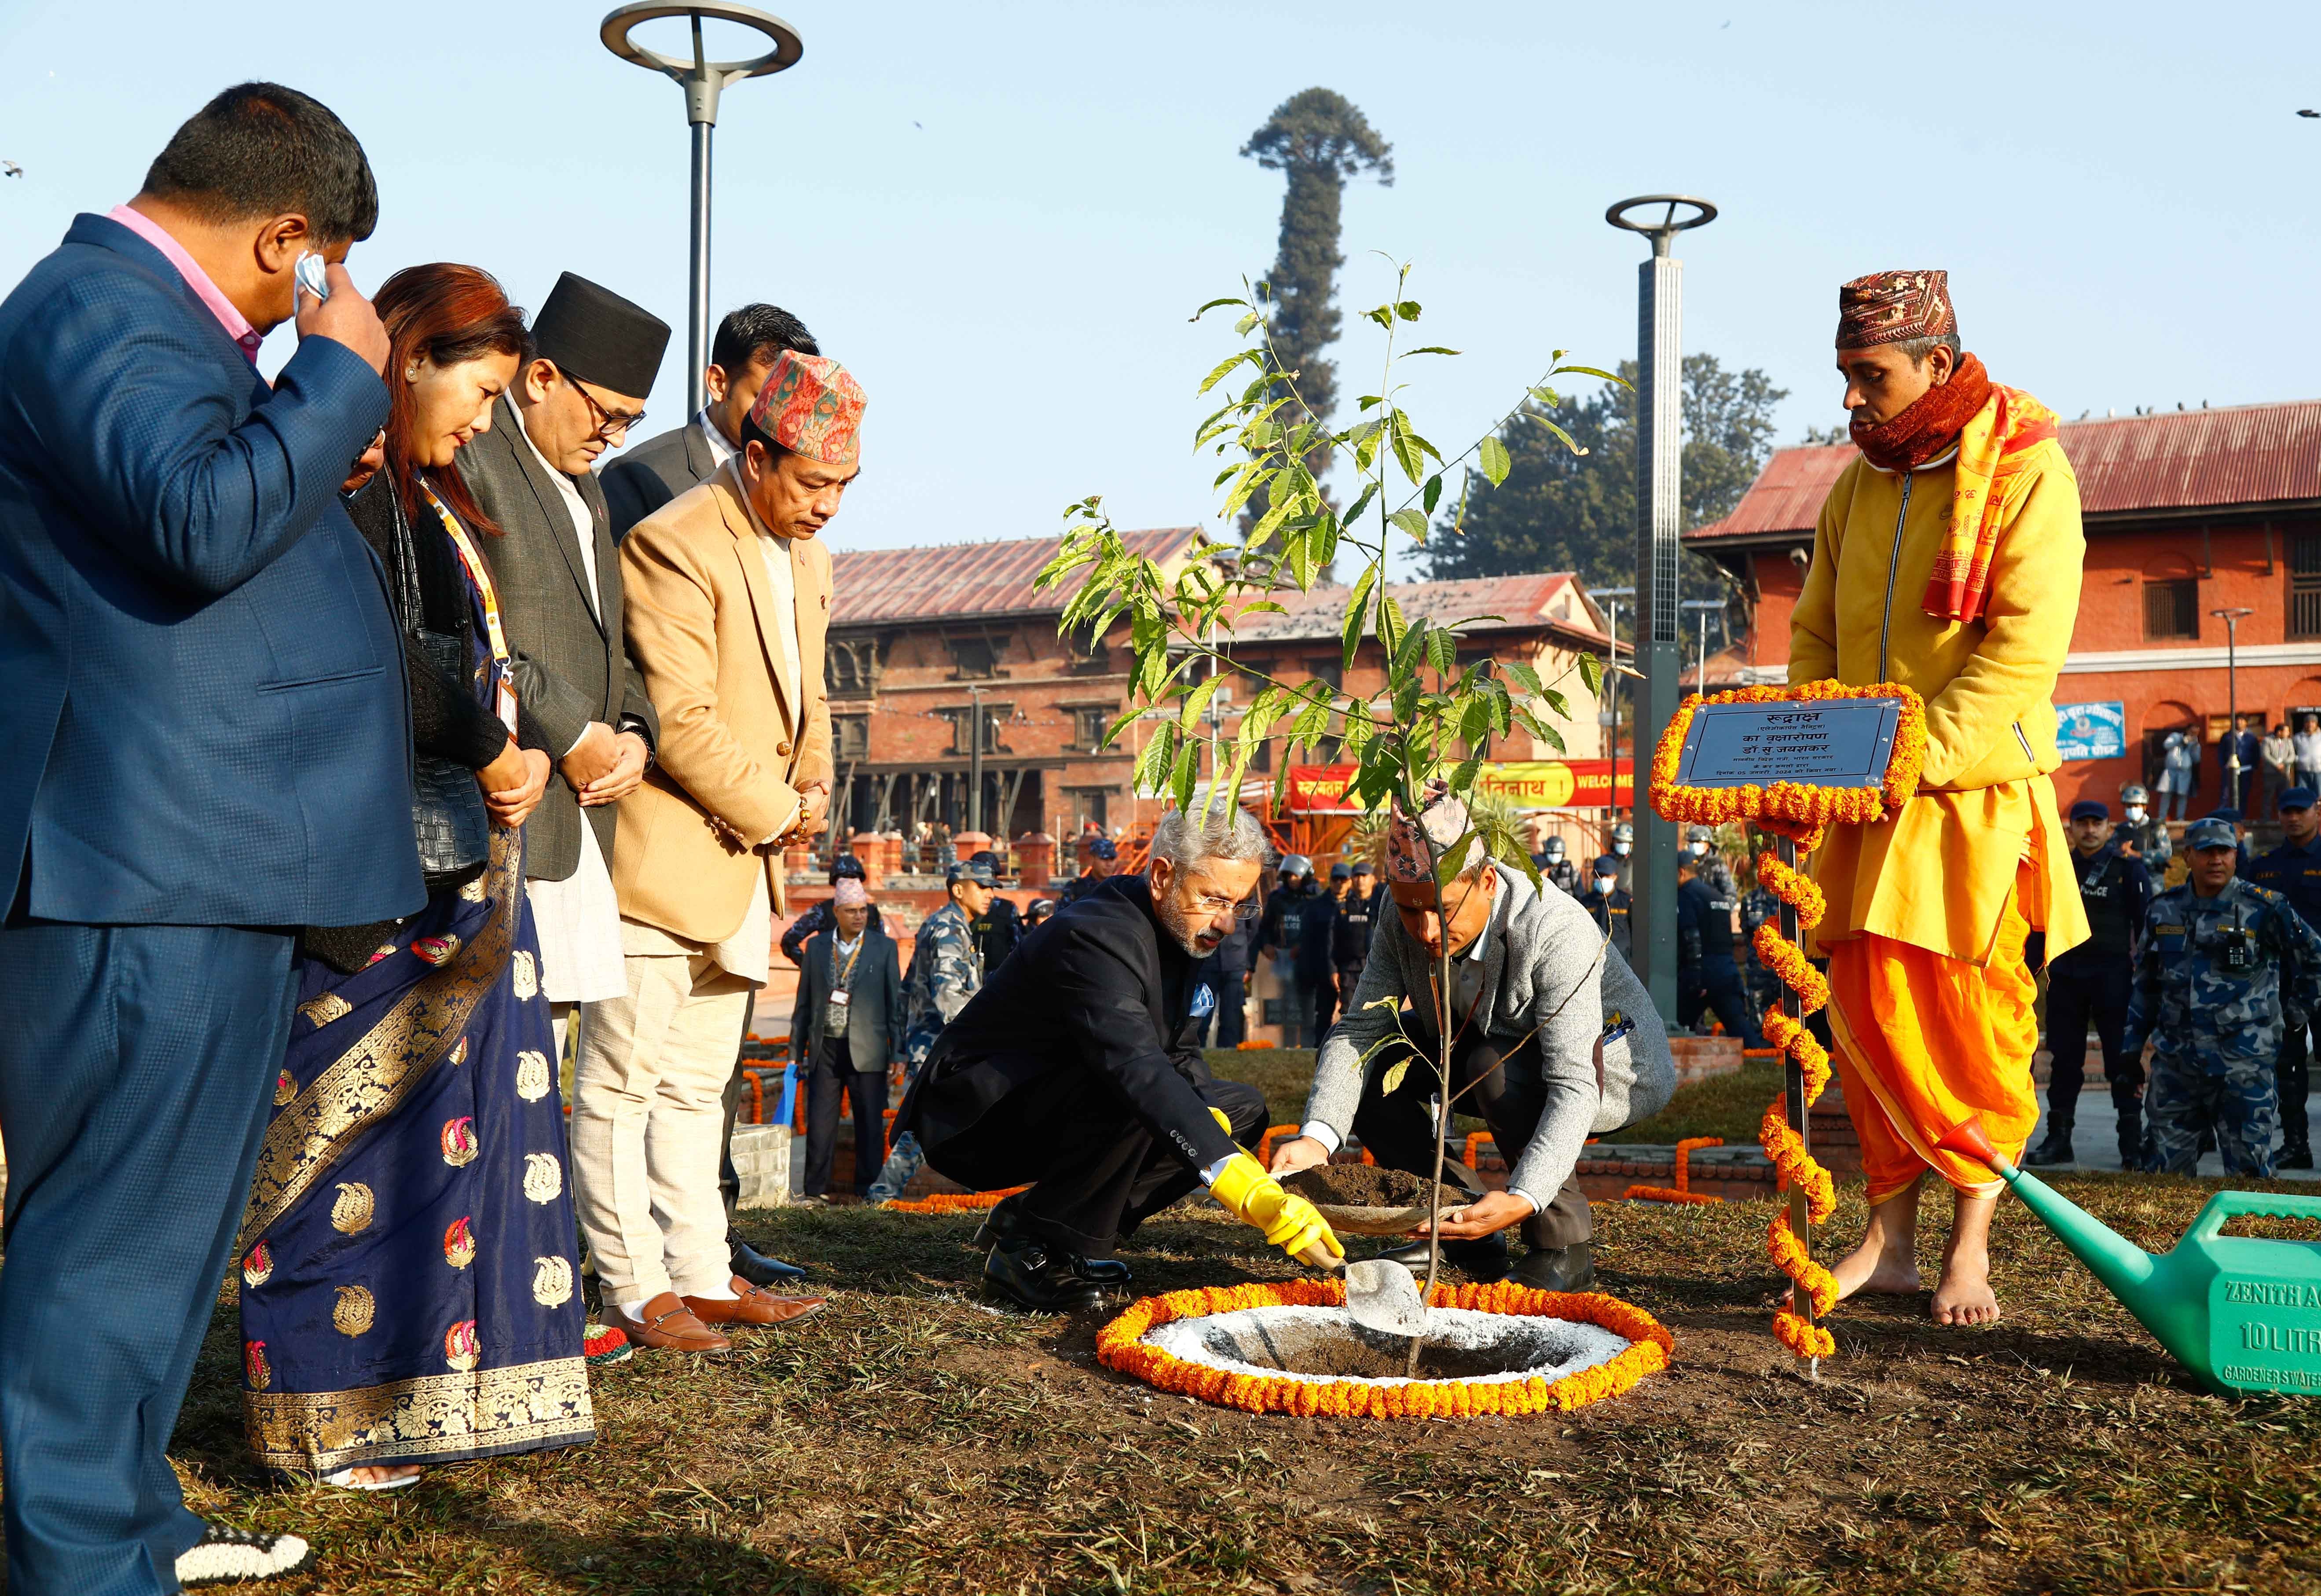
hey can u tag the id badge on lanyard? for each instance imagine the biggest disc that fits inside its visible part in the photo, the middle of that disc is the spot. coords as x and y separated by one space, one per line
503 697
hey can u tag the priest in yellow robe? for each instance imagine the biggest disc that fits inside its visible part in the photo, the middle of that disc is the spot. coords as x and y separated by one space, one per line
1947 559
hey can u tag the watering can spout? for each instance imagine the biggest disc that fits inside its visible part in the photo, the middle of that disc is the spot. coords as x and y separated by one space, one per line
2127 1271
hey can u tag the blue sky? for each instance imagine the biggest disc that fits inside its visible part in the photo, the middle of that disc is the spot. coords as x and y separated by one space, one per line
1001 215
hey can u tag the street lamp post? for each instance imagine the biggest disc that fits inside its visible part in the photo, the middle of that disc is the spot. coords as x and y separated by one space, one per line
2232 620
1660 376
703 80
1700 608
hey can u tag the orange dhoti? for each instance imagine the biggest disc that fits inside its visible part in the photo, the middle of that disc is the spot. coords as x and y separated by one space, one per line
1924 1040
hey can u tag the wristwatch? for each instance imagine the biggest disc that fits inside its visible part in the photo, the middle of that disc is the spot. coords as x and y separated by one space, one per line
635 722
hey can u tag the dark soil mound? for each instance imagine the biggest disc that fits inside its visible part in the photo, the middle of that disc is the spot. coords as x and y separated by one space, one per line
1369 1361
1366 1186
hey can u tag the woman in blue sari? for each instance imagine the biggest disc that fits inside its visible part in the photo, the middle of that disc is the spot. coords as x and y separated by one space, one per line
409 1290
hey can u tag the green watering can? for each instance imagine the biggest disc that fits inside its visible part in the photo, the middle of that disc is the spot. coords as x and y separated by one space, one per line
2243 1313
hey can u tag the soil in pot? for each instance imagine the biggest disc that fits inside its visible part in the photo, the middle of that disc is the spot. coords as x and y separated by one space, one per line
1367 1186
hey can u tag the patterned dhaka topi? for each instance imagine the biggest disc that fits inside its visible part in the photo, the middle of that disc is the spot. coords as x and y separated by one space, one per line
812 406
849 895
1414 842
1890 306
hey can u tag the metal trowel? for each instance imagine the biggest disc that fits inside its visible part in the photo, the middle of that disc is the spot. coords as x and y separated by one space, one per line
1382 1295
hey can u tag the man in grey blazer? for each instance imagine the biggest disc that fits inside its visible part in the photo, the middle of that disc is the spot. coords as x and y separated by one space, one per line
1553 1040
748 342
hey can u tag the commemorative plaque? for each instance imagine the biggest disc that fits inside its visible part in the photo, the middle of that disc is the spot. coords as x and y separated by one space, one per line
1828 743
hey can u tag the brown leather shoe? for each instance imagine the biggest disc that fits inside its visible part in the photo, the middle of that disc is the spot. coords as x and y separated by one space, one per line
752 1305
670 1325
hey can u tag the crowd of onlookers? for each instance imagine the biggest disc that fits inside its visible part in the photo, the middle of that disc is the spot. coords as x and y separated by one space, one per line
2200 954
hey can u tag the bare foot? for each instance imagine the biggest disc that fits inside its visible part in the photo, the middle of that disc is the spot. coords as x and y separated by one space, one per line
1963 1295
1872 1267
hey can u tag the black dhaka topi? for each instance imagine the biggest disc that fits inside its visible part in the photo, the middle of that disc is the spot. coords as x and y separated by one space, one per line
596 335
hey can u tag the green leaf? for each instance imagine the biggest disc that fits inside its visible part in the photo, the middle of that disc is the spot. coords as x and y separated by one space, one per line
1547 396
1443 650
1391 1081
1407 451
1242 327
1153 761
1323 541
1432 349
1356 610
1383 316
1407 310
1217 375
1410 522
1558 430
1593 371
1432 493
1188 767
1494 460
1525 676
1391 625
1188 713
1212 305
1362 503
1557 702
1121 725
1591 671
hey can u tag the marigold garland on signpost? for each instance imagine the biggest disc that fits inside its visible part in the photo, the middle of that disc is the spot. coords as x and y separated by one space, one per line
1121 1345
1799 815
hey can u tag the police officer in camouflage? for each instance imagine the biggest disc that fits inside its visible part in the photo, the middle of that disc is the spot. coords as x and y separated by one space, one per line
2088 984
947 969
2223 963
2293 870
2142 832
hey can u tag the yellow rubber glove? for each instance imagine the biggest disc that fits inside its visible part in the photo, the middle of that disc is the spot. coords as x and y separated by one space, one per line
1255 1197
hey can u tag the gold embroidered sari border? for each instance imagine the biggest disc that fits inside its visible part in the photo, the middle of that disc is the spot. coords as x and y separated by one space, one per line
493 1410
373 1076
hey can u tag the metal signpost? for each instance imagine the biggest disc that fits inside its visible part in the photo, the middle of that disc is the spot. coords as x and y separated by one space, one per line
703 80
1660 384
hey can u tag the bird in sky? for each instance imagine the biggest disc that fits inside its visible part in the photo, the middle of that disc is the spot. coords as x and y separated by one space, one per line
2309 112
11 169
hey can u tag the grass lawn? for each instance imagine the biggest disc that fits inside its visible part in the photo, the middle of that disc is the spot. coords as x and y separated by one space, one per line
909 1440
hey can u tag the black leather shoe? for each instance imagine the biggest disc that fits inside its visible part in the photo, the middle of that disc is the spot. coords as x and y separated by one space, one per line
1484 1260
2056 1149
1026 1273
1110 1274
758 1269
1556 1268
2298 1155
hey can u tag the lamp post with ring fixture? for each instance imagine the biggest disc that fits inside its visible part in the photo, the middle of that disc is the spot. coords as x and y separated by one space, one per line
1659 651
703 80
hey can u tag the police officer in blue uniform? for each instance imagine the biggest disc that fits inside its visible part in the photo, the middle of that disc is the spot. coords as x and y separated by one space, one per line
2221 965
2293 870
1102 857
1708 976
1609 903
2089 984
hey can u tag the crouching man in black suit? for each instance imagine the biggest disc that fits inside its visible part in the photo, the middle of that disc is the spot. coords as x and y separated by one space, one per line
1078 1070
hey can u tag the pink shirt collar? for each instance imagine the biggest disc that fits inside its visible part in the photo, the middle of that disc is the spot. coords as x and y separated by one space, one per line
236 324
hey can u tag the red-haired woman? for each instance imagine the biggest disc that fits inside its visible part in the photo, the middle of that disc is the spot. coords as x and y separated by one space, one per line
409 1290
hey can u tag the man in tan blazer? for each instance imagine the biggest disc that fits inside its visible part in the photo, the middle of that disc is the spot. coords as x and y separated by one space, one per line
728 602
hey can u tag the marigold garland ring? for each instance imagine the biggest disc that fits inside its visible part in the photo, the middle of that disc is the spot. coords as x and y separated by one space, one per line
1587 1346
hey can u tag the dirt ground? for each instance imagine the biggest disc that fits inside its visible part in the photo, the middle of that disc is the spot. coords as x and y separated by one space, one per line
910 1439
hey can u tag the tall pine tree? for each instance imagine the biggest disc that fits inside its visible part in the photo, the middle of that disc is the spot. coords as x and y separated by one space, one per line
1319 139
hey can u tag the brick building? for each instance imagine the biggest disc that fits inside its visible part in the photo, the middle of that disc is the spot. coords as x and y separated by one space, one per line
918 637
2187 513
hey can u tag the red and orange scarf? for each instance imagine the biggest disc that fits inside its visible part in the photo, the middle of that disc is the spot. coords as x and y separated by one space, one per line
1994 428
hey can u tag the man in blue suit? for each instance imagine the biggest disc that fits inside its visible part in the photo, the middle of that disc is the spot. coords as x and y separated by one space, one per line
207 747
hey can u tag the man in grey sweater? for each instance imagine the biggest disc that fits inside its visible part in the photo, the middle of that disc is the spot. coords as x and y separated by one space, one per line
1553 1040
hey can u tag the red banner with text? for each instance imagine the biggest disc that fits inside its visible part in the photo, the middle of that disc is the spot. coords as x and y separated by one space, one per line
1527 784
